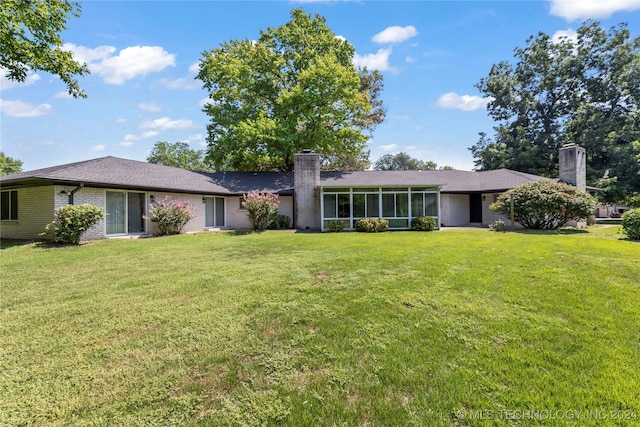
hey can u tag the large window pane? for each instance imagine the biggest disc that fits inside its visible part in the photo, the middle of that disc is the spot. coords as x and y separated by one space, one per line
219 222
402 204
431 204
373 205
135 205
417 205
358 205
329 201
388 205
344 206
116 212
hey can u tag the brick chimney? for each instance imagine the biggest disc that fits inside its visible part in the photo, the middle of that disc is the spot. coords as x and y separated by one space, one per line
573 166
306 178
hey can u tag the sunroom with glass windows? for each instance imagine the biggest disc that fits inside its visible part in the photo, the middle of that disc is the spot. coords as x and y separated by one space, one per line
398 205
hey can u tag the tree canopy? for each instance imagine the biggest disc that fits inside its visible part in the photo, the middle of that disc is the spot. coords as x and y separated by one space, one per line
9 165
402 162
30 40
179 155
584 91
294 88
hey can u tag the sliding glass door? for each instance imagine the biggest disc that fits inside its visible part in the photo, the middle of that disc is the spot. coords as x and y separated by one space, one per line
125 212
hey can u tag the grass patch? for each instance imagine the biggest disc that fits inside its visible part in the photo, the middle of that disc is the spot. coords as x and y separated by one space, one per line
400 328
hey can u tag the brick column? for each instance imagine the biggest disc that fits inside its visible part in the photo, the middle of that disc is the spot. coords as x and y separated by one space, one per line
306 175
573 166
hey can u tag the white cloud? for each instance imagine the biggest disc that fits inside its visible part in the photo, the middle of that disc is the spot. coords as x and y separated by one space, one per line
130 138
100 147
373 61
180 84
395 34
129 63
165 123
62 95
23 109
569 35
389 147
149 106
587 9
5 83
194 68
409 60
453 101
121 120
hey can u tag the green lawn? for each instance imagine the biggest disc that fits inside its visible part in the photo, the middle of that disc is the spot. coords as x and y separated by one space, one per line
392 329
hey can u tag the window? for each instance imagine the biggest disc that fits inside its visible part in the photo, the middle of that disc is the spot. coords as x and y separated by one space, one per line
9 205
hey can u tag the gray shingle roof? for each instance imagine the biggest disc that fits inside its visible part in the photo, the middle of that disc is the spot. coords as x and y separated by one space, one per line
452 181
114 172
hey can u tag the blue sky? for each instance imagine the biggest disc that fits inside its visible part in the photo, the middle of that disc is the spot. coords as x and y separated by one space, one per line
144 54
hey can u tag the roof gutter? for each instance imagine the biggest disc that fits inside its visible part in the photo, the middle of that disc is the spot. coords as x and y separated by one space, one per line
74 191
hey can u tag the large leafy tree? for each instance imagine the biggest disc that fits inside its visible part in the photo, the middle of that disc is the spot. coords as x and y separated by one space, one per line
179 155
294 88
9 165
585 91
30 40
402 162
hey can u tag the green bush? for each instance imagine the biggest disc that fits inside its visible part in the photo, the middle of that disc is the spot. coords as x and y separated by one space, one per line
372 225
171 215
545 204
335 226
423 223
631 224
280 222
72 221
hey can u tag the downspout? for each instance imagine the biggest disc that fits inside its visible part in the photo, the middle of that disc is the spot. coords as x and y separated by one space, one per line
74 191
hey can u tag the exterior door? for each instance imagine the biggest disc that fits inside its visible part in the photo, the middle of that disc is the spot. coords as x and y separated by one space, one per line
125 212
214 212
475 207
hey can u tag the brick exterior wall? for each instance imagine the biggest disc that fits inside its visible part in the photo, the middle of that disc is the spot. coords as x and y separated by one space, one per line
35 211
307 191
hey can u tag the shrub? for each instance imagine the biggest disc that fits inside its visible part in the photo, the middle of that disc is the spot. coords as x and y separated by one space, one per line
423 223
171 215
335 226
280 222
262 208
631 224
372 225
497 225
545 204
72 221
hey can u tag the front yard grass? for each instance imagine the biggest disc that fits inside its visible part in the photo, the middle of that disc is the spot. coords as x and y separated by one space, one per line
402 328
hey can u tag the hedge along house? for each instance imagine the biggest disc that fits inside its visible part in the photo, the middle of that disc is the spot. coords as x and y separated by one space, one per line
310 197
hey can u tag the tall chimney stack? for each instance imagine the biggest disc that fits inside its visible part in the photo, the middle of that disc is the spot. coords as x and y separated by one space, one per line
573 166
306 177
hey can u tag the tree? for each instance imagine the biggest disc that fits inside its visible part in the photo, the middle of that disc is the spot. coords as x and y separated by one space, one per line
294 88
402 162
179 155
585 91
9 165
545 204
30 40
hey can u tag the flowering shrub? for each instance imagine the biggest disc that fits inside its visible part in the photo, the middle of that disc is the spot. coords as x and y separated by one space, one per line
631 224
72 221
171 215
545 204
262 208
